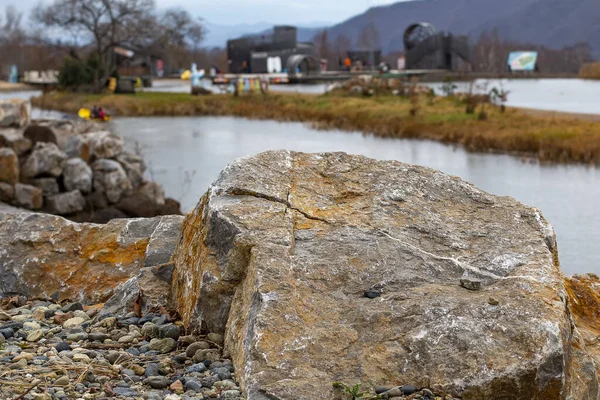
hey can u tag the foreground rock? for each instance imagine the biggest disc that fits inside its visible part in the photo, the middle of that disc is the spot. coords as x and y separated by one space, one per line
44 256
326 268
60 351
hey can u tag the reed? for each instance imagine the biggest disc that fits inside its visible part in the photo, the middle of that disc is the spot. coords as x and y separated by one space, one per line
551 137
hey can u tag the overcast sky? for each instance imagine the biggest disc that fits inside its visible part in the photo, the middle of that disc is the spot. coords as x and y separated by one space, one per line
232 12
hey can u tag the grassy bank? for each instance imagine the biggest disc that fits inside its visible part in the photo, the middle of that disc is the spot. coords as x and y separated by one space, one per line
548 137
590 71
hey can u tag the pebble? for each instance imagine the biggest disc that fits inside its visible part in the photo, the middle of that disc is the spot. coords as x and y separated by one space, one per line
62 346
165 345
157 382
172 397
470 284
22 356
31 326
125 391
71 307
492 301
408 390
62 381
177 386
169 331
192 385
215 338
152 370
81 314
49 314
372 294
73 322
200 367
4 316
194 347
81 357
34 336
126 339
211 355
150 330
77 336
222 373
98 337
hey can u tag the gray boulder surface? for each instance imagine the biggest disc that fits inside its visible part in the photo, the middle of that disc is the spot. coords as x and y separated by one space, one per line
104 144
46 159
49 186
321 268
28 196
77 175
65 203
110 178
14 139
7 192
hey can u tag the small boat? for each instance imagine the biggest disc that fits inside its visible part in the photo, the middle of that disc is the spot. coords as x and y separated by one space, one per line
86 113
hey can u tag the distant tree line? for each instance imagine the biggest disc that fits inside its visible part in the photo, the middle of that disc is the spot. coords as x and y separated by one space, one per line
80 35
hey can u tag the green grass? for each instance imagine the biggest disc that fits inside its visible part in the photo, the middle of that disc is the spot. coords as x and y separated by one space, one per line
557 138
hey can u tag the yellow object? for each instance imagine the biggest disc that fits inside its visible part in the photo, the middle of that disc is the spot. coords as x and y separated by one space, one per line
138 83
112 84
186 75
86 113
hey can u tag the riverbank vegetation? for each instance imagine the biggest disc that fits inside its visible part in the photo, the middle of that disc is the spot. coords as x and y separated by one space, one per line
546 136
590 71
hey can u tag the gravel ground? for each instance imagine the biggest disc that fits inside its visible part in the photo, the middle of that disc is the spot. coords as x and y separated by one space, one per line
51 351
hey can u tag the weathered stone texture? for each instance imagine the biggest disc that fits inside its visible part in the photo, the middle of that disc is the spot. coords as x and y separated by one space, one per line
77 175
280 254
110 178
43 255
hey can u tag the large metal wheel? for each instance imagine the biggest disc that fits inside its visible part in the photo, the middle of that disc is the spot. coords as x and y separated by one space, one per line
416 33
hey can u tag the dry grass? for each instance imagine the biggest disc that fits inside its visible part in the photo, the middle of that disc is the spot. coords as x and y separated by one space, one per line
556 138
590 71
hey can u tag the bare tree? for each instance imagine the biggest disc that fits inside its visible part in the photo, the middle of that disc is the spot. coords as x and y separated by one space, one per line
321 42
369 38
103 23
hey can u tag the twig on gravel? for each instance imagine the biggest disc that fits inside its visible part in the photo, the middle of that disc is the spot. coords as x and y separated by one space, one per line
35 383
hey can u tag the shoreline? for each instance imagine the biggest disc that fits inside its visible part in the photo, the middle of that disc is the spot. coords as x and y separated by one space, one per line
547 136
6 87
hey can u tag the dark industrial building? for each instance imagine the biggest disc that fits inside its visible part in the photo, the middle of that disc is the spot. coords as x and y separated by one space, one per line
426 48
277 52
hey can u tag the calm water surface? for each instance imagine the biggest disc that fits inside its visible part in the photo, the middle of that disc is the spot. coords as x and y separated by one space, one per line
186 155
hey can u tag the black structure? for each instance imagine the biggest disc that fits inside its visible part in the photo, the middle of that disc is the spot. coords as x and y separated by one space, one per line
271 53
426 48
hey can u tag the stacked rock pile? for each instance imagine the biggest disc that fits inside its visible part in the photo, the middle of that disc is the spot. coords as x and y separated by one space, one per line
74 169
53 351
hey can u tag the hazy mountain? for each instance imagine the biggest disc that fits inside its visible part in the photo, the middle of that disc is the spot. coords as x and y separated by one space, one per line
554 23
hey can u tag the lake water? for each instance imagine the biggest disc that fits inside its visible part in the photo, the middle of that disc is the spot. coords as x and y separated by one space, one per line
186 154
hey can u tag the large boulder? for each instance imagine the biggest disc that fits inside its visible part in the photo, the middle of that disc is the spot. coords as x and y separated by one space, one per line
14 113
46 256
104 144
110 178
77 175
76 147
9 166
28 196
65 203
321 268
46 159
14 139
